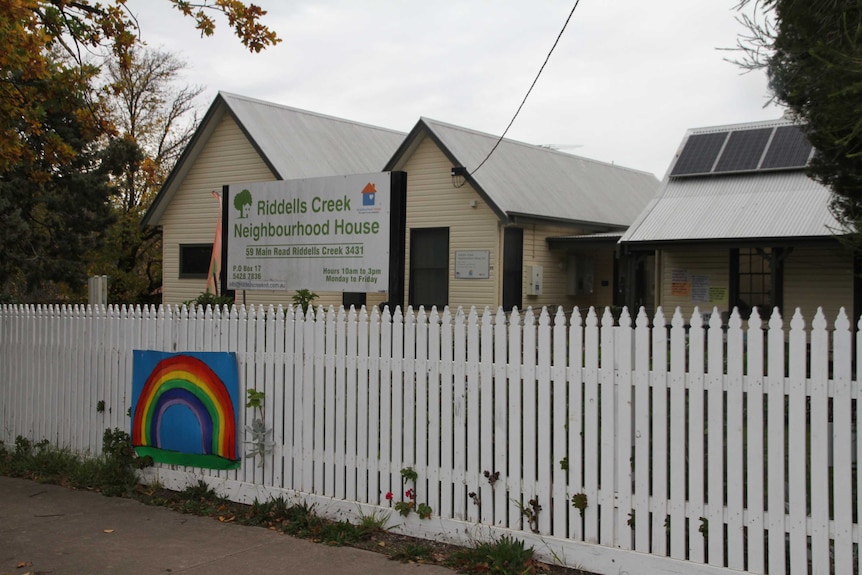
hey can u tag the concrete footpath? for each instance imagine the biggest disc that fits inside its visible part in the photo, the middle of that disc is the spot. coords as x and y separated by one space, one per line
48 529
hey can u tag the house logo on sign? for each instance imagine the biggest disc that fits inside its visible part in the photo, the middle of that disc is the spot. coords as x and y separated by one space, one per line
369 199
242 202
369 194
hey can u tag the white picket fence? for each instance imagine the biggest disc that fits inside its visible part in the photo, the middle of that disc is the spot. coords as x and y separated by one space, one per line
696 448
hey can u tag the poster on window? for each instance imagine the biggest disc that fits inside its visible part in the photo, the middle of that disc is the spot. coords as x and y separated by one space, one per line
718 296
680 282
699 288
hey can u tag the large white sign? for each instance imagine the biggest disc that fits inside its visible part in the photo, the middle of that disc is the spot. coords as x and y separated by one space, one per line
322 234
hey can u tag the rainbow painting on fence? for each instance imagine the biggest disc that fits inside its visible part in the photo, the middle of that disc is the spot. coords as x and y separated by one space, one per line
184 408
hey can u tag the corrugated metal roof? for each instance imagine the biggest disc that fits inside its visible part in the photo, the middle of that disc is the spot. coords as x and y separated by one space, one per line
764 204
302 144
528 180
294 143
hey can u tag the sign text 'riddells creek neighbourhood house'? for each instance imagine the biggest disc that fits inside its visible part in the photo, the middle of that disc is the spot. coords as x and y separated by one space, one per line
327 234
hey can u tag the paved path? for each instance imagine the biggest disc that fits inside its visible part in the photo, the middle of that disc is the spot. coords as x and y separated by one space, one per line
59 531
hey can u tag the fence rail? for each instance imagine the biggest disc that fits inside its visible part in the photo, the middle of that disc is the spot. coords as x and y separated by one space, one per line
659 447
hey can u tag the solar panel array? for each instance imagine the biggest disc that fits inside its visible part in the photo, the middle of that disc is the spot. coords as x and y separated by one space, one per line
735 151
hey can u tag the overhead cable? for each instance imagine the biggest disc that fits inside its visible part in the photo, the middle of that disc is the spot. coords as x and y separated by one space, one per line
530 90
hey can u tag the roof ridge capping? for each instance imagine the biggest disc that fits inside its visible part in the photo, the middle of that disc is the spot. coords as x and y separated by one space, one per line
535 147
227 96
776 122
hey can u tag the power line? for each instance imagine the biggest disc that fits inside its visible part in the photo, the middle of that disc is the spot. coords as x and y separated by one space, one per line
518 111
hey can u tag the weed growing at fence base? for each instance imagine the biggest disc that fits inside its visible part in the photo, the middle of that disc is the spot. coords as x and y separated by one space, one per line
503 556
414 552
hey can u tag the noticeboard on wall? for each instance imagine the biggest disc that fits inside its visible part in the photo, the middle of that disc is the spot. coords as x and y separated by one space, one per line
472 264
697 288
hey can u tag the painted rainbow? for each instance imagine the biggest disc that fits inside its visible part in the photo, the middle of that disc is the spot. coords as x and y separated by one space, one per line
183 380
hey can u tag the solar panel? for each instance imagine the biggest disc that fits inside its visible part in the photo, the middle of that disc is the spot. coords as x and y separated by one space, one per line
743 150
789 149
699 154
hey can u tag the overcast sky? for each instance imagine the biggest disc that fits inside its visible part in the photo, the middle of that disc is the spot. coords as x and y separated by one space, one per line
625 82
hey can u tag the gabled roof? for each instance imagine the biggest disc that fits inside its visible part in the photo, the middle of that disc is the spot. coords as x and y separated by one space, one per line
759 203
293 143
524 181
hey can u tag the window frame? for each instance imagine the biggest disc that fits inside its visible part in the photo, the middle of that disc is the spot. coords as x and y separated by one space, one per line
774 259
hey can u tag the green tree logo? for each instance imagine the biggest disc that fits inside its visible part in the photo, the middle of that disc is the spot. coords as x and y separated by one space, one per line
242 202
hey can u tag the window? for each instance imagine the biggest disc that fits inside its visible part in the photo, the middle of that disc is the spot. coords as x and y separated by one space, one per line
429 267
513 267
756 279
195 260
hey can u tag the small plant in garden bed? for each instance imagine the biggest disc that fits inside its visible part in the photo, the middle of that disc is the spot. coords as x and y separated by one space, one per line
200 499
304 299
504 556
414 552
211 299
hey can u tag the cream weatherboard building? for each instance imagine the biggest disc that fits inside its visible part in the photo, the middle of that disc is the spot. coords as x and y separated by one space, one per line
478 232
510 206
737 223
246 140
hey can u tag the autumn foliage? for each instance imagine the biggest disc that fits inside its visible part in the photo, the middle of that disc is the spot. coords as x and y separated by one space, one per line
58 145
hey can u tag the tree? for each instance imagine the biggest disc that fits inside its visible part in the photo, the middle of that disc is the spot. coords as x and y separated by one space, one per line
54 188
32 29
52 200
155 117
812 52
149 107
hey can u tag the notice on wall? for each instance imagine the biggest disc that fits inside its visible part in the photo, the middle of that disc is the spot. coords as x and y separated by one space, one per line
700 288
718 296
680 282
326 234
472 264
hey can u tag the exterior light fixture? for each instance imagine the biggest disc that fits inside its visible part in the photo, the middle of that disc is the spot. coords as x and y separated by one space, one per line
459 175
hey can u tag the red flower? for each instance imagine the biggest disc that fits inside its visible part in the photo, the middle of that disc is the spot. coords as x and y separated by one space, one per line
389 495
410 494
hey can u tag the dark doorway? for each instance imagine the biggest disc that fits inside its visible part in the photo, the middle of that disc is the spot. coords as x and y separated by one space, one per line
513 267
429 267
